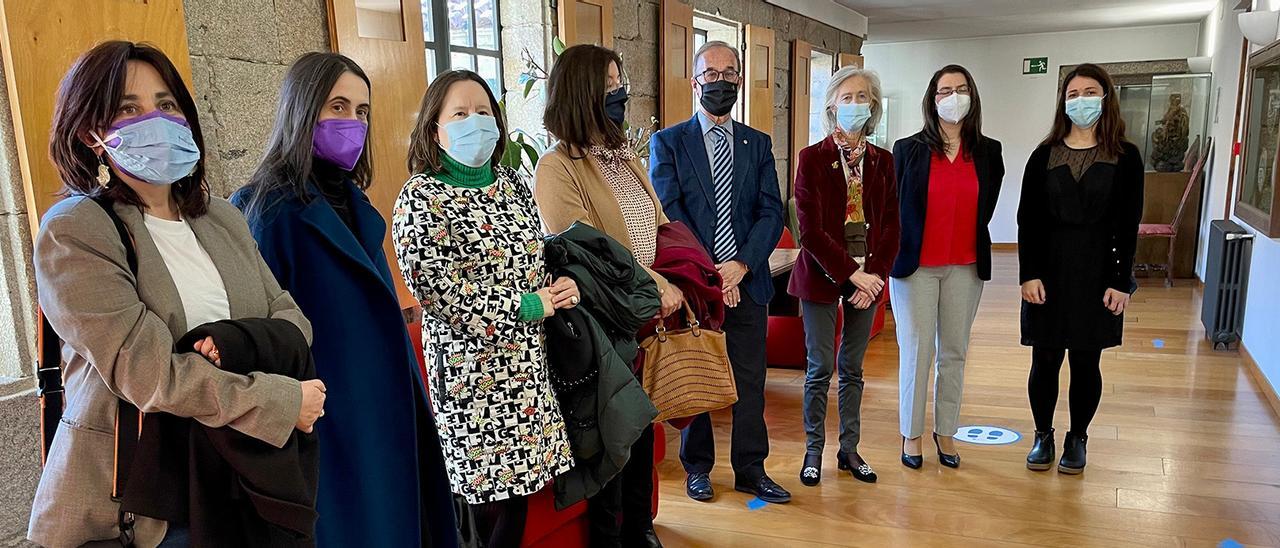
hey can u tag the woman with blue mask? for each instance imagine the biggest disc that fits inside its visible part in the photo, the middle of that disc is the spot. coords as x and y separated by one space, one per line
136 255
1077 231
847 209
470 248
382 478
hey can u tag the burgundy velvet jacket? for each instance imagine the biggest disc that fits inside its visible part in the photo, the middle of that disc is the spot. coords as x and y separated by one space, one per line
821 197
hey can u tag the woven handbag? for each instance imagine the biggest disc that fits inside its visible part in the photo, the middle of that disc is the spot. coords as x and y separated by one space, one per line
687 371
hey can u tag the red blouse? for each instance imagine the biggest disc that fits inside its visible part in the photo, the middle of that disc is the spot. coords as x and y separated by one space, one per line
951 217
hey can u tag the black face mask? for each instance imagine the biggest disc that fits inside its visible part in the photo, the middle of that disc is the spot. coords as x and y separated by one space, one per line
615 106
719 97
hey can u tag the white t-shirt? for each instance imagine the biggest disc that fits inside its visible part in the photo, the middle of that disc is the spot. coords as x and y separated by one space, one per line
204 297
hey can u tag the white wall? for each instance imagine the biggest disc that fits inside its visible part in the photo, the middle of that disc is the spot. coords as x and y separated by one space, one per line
1018 109
1220 38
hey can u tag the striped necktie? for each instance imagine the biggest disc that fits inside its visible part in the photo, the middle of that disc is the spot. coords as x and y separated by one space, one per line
722 175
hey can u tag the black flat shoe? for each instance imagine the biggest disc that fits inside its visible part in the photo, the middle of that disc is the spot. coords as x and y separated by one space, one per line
913 462
1073 454
1042 450
811 471
855 465
698 487
950 461
649 539
765 489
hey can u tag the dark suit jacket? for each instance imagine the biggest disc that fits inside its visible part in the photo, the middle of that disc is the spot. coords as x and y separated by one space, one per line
824 265
681 174
911 157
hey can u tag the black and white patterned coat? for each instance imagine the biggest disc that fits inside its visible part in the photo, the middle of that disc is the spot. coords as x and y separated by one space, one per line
468 255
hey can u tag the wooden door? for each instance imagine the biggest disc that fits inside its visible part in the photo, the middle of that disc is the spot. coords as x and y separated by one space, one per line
40 40
801 94
675 61
587 22
758 78
847 59
389 47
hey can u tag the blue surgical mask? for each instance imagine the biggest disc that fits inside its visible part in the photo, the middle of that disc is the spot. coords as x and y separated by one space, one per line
852 117
155 148
472 139
1084 111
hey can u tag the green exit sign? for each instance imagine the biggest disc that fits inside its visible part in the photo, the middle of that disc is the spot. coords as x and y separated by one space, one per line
1035 65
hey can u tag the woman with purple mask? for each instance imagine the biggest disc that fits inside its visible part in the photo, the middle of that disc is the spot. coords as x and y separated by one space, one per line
382 477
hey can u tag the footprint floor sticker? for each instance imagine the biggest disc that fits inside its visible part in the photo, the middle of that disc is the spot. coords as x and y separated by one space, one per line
987 435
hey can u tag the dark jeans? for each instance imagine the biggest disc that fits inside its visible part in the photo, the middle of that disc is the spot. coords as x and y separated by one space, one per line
1086 386
745 327
178 536
622 512
501 524
819 341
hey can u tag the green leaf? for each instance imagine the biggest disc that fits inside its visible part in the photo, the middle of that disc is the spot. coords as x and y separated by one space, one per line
532 153
557 45
528 87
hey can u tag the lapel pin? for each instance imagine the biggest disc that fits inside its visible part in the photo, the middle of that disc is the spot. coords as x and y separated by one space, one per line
835 164
744 141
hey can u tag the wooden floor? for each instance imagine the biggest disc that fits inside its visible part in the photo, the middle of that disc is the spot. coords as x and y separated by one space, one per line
1185 451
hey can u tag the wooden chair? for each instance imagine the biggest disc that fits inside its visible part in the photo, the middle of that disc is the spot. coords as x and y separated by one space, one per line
1170 231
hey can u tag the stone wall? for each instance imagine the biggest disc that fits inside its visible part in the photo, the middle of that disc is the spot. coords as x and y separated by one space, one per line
636 22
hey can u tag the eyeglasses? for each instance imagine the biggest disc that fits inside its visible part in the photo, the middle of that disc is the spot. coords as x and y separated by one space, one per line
622 83
712 75
947 92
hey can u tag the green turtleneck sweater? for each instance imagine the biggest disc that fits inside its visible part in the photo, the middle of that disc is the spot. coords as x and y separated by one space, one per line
456 174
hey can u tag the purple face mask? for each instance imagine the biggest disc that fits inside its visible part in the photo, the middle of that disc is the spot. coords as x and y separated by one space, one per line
340 142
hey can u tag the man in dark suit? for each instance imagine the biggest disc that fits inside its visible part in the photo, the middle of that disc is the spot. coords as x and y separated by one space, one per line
717 176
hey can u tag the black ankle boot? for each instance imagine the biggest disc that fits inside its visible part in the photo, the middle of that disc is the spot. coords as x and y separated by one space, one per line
1073 454
1041 456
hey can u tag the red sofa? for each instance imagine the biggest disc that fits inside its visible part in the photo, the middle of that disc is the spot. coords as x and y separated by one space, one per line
546 527
785 347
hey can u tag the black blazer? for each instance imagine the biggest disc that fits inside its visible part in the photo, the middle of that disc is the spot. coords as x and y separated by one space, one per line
911 157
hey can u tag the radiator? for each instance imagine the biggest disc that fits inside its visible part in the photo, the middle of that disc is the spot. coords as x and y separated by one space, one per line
1226 277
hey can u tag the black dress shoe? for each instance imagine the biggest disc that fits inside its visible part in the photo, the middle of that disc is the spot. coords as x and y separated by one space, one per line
765 489
811 471
649 539
698 486
1041 456
950 461
913 462
1073 454
855 465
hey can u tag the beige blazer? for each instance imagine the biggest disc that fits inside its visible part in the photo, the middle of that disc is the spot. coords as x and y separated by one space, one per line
569 189
119 334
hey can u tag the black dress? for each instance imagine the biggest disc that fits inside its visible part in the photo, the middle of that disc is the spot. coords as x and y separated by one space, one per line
1077 231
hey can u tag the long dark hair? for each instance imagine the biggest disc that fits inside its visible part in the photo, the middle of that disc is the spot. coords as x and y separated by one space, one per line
1110 127
89 99
970 127
575 99
424 143
287 164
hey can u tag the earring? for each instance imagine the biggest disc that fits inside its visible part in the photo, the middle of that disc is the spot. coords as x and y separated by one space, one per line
104 172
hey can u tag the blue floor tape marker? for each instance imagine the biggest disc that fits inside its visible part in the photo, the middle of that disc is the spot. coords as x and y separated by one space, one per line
1158 343
1230 543
756 504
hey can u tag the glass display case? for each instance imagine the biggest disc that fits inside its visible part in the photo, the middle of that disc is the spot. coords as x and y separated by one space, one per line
1178 121
1256 201
1135 109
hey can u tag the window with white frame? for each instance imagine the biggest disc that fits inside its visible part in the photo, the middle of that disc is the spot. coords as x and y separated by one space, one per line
822 67
463 34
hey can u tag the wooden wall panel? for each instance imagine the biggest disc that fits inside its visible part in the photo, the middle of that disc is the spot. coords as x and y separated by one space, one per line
586 22
398 72
40 39
758 77
675 61
847 59
801 93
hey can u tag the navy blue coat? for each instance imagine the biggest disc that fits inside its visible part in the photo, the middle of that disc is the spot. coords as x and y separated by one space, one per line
382 477
681 174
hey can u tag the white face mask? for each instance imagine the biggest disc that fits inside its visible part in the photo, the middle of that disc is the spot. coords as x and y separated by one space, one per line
954 108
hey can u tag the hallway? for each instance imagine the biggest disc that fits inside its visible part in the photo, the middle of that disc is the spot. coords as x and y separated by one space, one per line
1185 451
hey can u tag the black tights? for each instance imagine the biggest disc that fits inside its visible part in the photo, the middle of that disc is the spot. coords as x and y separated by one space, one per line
501 524
1086 386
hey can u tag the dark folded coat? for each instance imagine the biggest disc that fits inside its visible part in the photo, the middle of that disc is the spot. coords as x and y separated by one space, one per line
229 488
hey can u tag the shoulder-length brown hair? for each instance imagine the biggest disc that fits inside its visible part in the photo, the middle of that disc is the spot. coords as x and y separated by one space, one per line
1110 127
424 145
970 127
575 99
88 100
